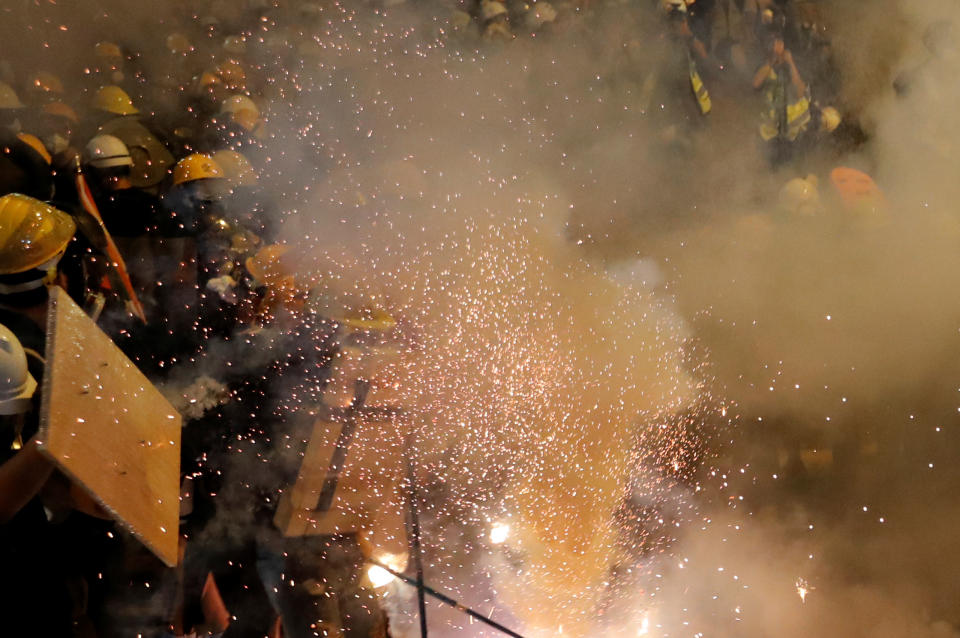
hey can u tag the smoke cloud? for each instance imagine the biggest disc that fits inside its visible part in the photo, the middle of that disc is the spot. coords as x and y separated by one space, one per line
591 287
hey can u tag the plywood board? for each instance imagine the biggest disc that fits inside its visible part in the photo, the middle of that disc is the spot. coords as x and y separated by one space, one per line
369 498
109 429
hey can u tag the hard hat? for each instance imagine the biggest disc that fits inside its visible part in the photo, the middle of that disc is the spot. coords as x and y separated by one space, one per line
47 82
236 168
208 78
32 233
196 166
113 99
61 110
460 19
34 142
267 266
539 14
106 49
800 196
859 193
236 103
178 43
17 385
369 319
232 74
8 97
830 119
107 151
235 44
311 9
671 6
490 9
245 118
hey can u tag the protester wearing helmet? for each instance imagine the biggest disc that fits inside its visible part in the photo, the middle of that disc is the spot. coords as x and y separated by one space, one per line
127 211
496 21
109 63
199 184
33 238
25 163
151 157
43 87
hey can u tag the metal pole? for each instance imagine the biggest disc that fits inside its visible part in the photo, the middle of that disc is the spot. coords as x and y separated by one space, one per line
414 496
447 600
339 457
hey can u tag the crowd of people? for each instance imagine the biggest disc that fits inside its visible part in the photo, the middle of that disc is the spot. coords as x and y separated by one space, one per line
160 160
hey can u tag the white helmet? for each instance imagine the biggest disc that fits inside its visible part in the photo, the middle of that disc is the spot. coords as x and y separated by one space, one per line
17 385
107 151
237 103
800 196
490 9
8 97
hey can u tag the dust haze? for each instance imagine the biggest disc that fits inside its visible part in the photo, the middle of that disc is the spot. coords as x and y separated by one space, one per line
599 311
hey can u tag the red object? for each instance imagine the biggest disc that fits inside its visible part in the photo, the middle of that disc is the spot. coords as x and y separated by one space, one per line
277 630
108 246
215 613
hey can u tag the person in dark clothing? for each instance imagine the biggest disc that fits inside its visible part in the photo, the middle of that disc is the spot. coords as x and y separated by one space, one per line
24 161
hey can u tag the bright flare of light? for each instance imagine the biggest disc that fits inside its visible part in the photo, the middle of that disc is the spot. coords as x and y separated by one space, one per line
644 628
379 577
499 533
803 588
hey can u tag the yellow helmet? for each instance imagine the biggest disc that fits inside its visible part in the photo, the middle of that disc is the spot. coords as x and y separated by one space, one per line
267 265
34 142
107 50
369 319
113 99
236 168
233 75
830 119
273 268
246 119
177 43
61 110
236 103
32 233
207 78
8 97
46 82
196 166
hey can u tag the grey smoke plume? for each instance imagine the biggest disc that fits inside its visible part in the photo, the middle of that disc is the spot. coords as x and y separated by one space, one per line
555 242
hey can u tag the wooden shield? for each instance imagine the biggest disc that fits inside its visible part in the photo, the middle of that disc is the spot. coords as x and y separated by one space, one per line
109 429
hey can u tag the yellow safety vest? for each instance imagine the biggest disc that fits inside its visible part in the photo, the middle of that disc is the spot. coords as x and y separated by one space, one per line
699 90
786 114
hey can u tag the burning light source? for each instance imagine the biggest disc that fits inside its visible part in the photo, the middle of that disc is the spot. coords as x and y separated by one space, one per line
644 628
499 533
379 577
